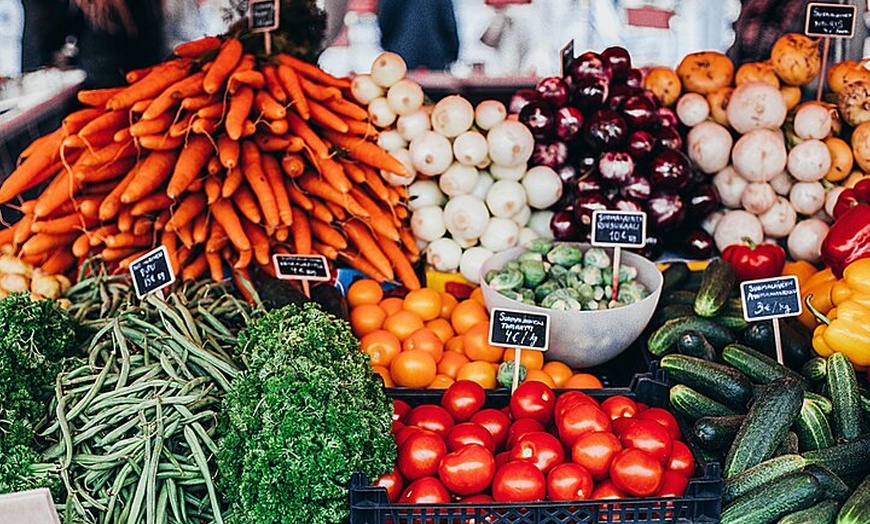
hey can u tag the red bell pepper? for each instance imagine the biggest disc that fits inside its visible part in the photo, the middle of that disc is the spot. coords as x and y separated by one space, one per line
848 239
752 261
852 196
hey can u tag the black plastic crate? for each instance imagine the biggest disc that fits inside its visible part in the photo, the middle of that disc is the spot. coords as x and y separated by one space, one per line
701 504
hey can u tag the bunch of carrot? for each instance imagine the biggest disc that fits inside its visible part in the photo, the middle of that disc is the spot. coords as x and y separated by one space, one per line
223 157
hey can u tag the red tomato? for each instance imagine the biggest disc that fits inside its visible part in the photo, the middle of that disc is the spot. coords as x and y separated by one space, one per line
420 454
425 490
621 424
541 449
649 436
636 472
403 434
607 491
396 427
595 451
394 484
673 485
501 459
568 399
477 498
619 406
462 399
496 422
642 407
518 481
535 400
400 409
579 419
467 470
520 427
569 481
681 460
663 417
429 416
469 433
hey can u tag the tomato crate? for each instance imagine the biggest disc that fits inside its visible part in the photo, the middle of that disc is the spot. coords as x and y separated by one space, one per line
701 503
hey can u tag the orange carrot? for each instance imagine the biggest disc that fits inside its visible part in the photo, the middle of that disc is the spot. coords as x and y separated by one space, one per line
116 254
244 283
292 165
272 170
194 269
75 121
282 233
128 239
152 172
171 244
155 125
134 75
142 225
217 238
51 140
297 196
198 47
22 229
239 108
160 142
290 82
243 260
200 228
184 232
345 107
362 238
195 185
312 140
124 263
192 205
81 245
319 188
161 220
362 265
6 235
215 266
321 212
276 127
252 168
381 222
228 151
93 141
318 92
247 204
356 174
252 78
403 266
232 180
190 85
326 250
97 97
222 66
313 72
367 152
259 242
270 142
212 188
204 126
249 128
125 220
151 203
326 118
151 85
110 120
337 211
327 234
333 173
214 110
273 84
46 242
35 169
197 102
58 262
190 162
108 154
410 244
98 235
226 216
361 128
122 135
213 166
63 224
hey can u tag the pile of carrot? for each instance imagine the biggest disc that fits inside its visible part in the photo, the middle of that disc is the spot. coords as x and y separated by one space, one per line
223 157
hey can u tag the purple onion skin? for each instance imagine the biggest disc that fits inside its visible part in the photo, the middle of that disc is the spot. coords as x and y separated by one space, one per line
618 94
539 117
627 204
568 174
553 89
653 248
665 117
639 112
702 200
590 93
589 183
606 130
553 154
640 144
615 166
619 60
564 225
634 78
589 64
669 137
637 187
669 169
585 163
568 123
585 204
666 211
520 98
698 244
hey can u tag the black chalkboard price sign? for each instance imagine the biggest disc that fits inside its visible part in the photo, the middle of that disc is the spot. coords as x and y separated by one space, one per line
519 329
263 15
152 272
830 20
770 298
301 267
618 228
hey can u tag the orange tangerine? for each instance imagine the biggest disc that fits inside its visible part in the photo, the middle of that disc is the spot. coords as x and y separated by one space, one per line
477 346
528 357
448 302
558 371
467 314
391 304
381 346
583 381
454 345
483 373
538 375
427 340
364 291
385 376
450 363
441 382
366 318
425 302
413 369
442 328
402 323
477 295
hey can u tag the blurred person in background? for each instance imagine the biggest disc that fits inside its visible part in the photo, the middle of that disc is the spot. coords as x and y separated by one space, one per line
423 32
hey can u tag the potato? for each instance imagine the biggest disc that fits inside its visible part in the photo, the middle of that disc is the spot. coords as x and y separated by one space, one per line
756 71
841 159
796 59
705 71
844 73
854 103
861 146
791 95
718 101
664 84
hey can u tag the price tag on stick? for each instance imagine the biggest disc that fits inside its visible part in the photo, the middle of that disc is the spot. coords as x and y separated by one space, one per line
771 299
618 229
829 21
301 267
152 272
519 330
263 17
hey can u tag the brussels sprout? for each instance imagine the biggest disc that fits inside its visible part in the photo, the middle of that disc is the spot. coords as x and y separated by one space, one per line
507 279
565 304
511 294
591 305
528 295
533 272
585 291
491 274
598 292
607 275
604 304
614 304
592 275
540 246
631 292
565 255
557 272
512 265
530 255
626 273
567 298
505 375
545 289
596 256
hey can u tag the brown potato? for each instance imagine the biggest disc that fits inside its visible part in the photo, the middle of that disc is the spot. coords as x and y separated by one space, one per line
664 84
796 59
705 71
854 103
845 73
791 95
718 101
841 159
861 146
760 71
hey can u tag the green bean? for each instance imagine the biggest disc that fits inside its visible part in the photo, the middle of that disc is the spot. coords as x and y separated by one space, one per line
83 403
201 460
192 325
121 343
65 433
162 502
173 499
151 483
139 496
166 365
212 321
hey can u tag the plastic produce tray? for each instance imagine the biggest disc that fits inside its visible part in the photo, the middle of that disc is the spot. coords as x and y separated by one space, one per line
701 504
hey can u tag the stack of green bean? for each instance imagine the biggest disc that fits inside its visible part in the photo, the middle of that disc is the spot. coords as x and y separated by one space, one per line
134 431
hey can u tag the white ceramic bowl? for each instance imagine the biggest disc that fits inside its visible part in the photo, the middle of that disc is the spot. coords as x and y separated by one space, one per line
584 339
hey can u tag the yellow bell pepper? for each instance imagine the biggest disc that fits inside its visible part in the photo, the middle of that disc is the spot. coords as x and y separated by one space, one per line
846 327
857 275
819 286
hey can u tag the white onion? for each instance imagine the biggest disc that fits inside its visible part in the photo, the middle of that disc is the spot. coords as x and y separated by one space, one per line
489 113
500 234
466 217
431 153
539 222
779 220
403 156
522 216
831 199
412 125
364 89
734 226
458 180
782 183
452 116
405 96
500 172
730 186
543 186
759 155
805 240
807 198
380 112
758 197
465 243
484 182
470 148
443 254
709 146
812 120
428 223
391 140
809 161
709 222
471 261
510 143
424 193
692 109
527 235
388 68
505 198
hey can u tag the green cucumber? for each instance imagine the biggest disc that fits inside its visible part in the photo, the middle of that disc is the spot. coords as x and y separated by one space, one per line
757 476
768 421
694 405
833 485
716 432
675 275
695 344
757 366
784 495
669 311
679 296
846 459
720 382
665 336
813 429
843 386
731 321
789 445
716 284
796 348
815 369
822 513
856 509
823 402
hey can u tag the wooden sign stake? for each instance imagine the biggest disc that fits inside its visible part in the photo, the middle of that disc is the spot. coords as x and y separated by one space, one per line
518 354
777 341
771 299
617 255
826 48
